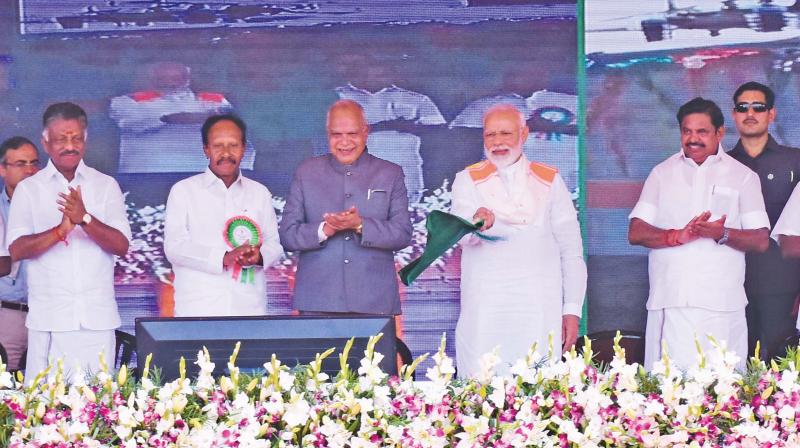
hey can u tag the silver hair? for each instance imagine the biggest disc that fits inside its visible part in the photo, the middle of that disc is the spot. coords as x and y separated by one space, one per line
505 107
345 104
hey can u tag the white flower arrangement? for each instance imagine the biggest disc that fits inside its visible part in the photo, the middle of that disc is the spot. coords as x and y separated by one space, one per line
545 402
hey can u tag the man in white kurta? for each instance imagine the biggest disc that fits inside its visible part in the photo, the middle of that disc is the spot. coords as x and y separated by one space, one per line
69 221
699 212
528 285
787 230
208 281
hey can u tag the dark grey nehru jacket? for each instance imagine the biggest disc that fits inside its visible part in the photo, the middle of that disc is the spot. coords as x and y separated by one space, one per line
348 272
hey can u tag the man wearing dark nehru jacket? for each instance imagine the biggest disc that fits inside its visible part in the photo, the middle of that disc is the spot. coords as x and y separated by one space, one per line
771 282
69 221
346 213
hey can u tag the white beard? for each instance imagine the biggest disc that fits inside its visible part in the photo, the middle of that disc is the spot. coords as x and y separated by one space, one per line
506 160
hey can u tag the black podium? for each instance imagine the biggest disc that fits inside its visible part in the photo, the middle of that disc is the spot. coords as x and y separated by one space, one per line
293 339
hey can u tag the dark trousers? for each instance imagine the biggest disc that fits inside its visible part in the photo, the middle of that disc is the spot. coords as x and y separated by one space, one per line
770 321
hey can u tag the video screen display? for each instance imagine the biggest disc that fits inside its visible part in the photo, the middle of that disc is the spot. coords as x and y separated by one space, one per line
424 71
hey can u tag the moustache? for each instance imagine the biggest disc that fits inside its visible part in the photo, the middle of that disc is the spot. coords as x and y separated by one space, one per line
70 152
226 159
695 145
500 148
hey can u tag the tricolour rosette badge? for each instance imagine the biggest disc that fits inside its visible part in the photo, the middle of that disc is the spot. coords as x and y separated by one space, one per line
241 230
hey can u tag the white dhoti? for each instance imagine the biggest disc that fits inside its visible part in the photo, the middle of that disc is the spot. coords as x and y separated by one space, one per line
679 327
511 298
508 320
80 351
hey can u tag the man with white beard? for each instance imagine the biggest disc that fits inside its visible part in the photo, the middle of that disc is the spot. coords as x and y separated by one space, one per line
529 282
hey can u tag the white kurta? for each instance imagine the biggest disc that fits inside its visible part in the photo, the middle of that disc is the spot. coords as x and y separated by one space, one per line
789 222
702 275
198 209
515 291
70 286
73 309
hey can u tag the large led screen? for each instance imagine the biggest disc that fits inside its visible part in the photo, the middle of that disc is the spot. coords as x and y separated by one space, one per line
423 70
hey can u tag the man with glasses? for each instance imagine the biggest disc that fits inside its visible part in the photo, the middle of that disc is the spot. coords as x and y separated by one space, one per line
19 160
771 282
69 221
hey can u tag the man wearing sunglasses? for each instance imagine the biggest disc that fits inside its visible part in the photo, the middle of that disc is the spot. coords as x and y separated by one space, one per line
19 160
771 282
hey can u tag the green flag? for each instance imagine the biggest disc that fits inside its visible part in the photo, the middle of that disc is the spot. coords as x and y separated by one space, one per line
444 231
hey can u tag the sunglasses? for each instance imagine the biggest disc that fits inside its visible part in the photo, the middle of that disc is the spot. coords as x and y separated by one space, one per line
744 107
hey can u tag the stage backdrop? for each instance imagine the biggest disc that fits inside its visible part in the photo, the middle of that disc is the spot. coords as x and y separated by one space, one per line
645 59
423 70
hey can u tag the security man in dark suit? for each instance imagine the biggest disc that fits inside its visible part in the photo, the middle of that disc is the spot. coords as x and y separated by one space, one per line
771 282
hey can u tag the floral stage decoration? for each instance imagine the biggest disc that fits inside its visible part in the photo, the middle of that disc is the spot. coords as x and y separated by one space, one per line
543 403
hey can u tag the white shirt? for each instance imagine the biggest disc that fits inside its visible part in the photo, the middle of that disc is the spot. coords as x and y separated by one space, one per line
71 286
554 220
789 221
700 274
393 103
198 209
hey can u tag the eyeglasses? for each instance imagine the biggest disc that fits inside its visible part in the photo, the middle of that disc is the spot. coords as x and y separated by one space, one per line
23 163
744 107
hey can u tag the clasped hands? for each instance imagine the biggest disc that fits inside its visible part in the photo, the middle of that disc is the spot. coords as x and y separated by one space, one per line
70 204
244 255
701 227
346 220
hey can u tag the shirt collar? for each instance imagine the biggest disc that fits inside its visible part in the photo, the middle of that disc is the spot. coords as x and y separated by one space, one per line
770 146
713 158
51 171
519 165
511 171
209 178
